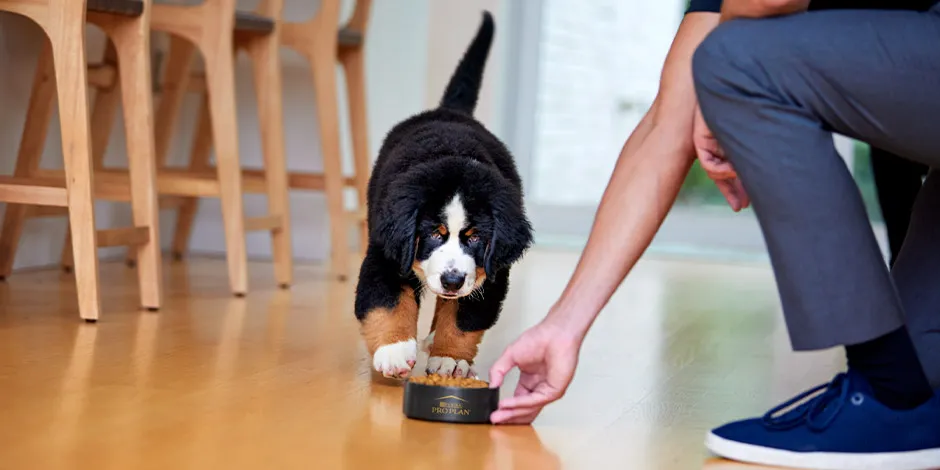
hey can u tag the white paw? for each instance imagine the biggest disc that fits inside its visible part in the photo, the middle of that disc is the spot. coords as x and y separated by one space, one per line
427 342
396 360
450 367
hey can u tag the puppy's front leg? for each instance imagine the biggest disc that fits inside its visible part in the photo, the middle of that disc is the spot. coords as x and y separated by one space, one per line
387 309
458 328
390 336
451 349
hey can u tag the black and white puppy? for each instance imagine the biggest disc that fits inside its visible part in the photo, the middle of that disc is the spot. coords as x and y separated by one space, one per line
445 214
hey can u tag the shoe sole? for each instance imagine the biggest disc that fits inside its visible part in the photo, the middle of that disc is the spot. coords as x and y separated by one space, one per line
928 459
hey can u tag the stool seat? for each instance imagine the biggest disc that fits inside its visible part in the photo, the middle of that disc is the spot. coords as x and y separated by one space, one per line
247 22
130 8
350 37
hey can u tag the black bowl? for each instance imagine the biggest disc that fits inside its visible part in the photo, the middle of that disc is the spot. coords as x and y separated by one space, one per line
449 404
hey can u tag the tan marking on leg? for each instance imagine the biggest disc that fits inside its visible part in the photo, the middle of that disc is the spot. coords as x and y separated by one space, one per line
383 326
450 341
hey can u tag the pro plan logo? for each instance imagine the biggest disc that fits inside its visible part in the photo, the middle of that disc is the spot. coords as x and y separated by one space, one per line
450 405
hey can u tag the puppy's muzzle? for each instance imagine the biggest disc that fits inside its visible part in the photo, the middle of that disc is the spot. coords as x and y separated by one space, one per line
452 281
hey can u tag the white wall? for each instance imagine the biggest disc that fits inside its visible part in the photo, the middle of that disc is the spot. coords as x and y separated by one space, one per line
452 27
397 58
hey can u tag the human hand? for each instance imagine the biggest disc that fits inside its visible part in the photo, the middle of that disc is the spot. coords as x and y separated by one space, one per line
712 158
546 355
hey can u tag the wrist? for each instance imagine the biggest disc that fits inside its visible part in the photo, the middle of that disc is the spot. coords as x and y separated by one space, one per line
571 319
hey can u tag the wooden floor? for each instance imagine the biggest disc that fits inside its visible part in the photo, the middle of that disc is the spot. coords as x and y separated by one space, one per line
280 379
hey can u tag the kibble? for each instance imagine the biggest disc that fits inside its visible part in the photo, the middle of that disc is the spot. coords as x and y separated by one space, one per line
443 381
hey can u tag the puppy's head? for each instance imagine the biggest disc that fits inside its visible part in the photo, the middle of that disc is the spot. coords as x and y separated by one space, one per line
454 223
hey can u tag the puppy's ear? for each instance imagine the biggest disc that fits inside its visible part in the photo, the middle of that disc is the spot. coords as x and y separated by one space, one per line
397 226
511 234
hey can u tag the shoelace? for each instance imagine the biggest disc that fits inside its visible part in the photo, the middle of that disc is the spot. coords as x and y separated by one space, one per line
811 413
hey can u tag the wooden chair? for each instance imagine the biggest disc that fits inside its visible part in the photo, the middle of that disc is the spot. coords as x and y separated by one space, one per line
217 30
126 22
322 42
214 28
258 34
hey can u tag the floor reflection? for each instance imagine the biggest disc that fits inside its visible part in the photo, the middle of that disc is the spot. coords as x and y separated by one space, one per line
280 379
381 437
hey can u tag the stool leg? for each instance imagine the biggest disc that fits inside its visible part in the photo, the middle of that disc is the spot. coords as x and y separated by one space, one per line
199 160
67 33
220 84
38 116
353 61
132 40
266 65
173 86
102 120
323 67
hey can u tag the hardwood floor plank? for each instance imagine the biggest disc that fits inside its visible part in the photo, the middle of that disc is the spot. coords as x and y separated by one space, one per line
280 379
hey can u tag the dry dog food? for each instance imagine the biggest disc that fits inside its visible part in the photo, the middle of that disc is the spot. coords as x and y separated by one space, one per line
442 381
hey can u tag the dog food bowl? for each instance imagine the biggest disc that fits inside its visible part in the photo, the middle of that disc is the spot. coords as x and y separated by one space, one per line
449 404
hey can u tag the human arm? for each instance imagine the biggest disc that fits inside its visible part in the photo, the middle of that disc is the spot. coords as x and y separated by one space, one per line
731 9
643 187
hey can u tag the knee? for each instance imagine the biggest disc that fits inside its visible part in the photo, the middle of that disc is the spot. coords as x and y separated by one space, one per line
720 59
709 60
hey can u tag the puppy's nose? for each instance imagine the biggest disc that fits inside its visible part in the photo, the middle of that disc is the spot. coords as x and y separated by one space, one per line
452 280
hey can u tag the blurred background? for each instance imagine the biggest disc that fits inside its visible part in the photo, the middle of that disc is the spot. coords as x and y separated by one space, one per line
566 83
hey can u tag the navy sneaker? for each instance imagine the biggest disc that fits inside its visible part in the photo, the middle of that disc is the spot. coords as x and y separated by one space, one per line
842 428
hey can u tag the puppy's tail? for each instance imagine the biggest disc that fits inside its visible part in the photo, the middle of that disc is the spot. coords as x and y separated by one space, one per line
464 86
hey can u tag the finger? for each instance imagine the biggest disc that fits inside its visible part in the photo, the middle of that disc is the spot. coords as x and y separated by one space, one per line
527 383
501 367
736 188
718 168
728 192
528 400
742 193
527 418
502 416
719 174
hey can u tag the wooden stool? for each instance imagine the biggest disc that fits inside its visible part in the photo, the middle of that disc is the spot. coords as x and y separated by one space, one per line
322 42
258 34
212 27
126 22
216 29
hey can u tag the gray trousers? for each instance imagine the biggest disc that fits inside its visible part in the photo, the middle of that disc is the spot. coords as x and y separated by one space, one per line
773 91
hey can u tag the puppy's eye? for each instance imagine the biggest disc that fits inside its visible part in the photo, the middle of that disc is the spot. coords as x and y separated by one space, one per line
472 236
439 232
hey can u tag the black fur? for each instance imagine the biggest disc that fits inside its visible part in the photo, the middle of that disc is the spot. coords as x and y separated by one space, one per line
424 161
380 284
480 312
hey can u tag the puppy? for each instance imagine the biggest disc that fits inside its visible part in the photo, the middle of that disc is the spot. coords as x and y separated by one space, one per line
445 213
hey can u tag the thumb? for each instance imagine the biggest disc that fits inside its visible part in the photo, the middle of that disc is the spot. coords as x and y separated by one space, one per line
501 367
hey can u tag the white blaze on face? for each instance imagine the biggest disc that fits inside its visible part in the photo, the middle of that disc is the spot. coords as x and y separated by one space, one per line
450 259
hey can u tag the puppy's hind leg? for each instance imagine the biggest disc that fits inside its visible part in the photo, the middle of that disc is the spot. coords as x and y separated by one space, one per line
387 310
